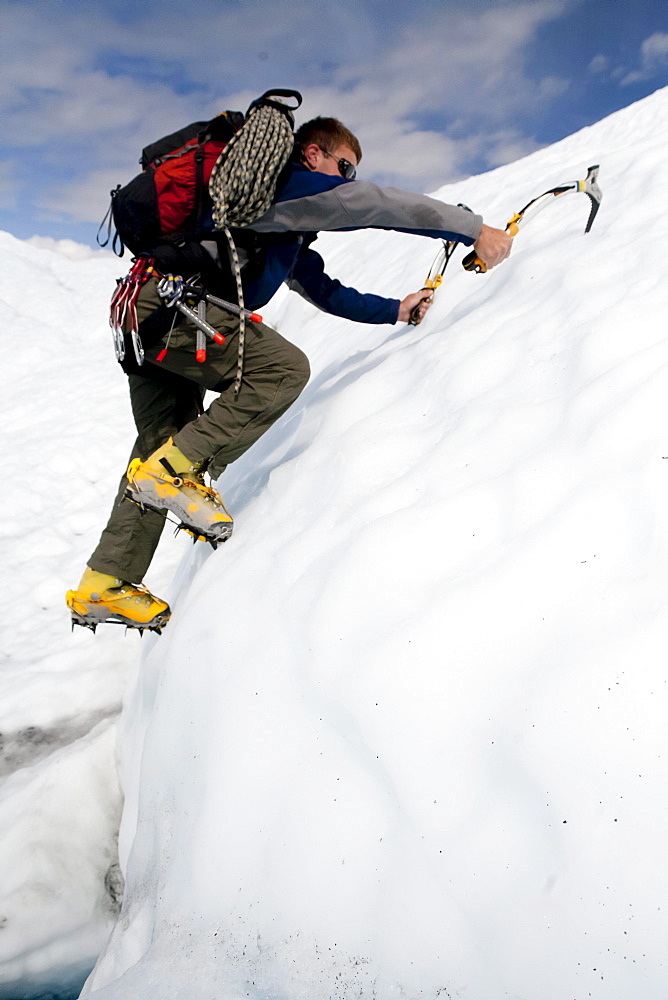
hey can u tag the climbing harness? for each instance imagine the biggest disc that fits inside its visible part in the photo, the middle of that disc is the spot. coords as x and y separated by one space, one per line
173 290
175 293
243 180
197 291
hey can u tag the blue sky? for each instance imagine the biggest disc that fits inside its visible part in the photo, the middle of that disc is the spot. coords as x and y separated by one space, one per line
435 90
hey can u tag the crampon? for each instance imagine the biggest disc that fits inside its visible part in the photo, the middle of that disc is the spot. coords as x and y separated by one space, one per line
198 508
129 605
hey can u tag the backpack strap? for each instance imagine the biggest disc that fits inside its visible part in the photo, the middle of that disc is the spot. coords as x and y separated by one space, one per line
117 244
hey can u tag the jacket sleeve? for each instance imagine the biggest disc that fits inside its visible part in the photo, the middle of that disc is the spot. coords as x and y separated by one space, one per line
363 205
308 278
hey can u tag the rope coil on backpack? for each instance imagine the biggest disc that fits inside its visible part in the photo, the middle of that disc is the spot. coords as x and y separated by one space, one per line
244 177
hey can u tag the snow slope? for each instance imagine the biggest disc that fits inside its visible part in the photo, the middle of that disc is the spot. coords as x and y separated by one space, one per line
67 430
404 736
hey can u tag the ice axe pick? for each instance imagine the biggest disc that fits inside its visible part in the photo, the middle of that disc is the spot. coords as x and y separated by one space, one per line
588 186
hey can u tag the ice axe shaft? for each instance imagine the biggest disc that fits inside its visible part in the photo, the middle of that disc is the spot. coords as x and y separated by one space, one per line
588 186
434 279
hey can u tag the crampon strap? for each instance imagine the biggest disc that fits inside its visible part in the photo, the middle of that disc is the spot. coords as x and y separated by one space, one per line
123 309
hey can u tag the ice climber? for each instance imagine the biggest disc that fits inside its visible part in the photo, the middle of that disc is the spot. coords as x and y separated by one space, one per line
178 441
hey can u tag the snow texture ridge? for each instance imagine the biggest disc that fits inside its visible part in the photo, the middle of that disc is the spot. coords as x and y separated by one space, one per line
405 733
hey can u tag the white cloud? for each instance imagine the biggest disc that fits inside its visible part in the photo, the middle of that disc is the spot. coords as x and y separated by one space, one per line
508 146
86 89
85 200
470 67
66 248
653 59
599 64
550 87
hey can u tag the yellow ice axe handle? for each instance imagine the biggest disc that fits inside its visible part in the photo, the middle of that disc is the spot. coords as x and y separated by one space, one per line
473 263
430 285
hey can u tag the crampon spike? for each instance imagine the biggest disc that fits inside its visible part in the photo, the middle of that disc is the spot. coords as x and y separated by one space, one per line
89 625
95 617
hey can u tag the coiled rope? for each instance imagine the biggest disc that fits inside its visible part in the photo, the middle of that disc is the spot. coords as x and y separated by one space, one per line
243 182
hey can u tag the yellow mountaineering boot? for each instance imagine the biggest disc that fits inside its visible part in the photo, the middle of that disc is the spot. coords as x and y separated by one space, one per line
168 480
103 598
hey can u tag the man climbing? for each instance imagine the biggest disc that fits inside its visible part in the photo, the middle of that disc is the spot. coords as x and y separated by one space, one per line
177 441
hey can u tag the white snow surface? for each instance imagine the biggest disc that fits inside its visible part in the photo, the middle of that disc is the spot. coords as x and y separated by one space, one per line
405 733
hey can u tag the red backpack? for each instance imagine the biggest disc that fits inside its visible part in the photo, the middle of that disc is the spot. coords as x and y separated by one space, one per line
169 202
170 197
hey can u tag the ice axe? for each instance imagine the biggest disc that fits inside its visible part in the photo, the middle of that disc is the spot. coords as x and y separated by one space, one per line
434 279
588 186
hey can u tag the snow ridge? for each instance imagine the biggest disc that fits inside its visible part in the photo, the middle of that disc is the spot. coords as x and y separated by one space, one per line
404 734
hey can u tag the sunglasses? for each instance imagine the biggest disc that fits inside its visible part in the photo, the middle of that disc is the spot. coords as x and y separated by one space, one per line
346 168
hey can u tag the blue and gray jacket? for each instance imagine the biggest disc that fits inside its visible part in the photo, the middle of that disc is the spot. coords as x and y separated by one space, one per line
307 202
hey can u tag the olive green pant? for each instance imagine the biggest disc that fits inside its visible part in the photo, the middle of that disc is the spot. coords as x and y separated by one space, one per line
166 398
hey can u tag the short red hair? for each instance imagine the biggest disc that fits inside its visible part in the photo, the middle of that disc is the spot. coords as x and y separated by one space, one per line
327 133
